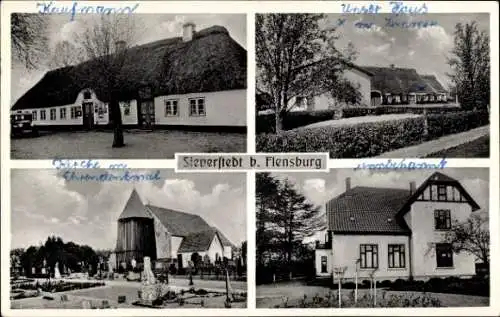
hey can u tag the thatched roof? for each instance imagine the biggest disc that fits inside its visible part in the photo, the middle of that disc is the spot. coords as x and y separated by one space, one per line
432 81
211 61
397 80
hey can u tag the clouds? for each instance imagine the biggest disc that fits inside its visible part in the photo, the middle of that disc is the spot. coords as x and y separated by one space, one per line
44 204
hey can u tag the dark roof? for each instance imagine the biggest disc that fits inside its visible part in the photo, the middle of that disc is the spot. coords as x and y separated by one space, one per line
134 208
434 83
439 178
367 210
225 241
397 80
211 61
198 241
179 223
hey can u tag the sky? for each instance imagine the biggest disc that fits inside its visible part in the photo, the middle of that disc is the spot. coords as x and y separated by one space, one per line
320 187
425 49
151 27
43 203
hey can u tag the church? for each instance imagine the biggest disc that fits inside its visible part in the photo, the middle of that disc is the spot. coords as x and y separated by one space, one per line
166 235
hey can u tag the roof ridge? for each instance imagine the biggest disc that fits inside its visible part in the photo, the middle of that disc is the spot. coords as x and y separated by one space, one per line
170 209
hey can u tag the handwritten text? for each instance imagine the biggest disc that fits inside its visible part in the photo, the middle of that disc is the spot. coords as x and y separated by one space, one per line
53 8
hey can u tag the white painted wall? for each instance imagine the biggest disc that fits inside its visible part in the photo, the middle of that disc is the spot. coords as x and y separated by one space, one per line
329 264
223 108
215 247
162 238
421 222
227 252
325 101
346 252
175 244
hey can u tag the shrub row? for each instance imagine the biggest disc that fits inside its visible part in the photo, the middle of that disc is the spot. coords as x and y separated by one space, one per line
361 140
370 139
266 123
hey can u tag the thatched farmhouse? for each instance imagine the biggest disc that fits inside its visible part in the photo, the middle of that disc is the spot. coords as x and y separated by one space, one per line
379 86
166 235
194 80
396 232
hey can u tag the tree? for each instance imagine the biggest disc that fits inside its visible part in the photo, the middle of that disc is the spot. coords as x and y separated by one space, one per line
470 63
295 57
284 218
66 54
107 41
29 42
471 236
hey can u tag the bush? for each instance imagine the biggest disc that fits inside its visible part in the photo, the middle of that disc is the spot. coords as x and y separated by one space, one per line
361 140
450 123
371 138
266 123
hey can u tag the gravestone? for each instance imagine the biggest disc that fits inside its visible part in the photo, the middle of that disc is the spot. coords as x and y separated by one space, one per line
148 281
57 274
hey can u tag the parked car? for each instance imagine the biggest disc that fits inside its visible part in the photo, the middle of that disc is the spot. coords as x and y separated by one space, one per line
22 124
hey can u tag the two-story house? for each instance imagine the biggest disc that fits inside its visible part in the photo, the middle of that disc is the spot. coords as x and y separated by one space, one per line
396 233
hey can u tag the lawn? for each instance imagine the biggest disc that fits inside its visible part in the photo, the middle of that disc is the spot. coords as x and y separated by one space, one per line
139 145
479 148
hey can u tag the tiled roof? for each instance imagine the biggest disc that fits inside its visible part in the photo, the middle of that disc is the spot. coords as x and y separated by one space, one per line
367 210
225 241
179 223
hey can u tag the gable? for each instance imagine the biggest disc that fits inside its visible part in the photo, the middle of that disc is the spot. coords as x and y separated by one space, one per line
429 191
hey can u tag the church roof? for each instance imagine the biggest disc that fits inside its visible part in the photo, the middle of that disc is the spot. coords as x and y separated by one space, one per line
134 208
179 223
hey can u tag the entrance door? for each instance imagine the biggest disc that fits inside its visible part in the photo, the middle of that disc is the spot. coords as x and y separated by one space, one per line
146 114
179 261
88 115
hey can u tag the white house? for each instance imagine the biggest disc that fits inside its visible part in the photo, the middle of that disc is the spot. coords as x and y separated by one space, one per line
195 81
166 235
396 233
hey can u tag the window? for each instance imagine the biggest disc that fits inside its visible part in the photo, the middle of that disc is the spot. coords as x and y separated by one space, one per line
444 255
324 262
87 95
62 113
442 219
368 256
441 192
73 112
396 256
126 108
43 115
34 113
171 108
197 107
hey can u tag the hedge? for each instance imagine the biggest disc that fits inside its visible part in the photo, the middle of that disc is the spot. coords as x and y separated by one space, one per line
369 139
266 123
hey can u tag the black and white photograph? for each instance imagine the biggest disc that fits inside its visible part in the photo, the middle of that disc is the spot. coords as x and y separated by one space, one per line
373 85
361 238
149 239
127 86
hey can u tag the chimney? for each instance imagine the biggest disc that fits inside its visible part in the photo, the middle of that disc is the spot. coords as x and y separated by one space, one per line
188 30
347 183
413 188
120 46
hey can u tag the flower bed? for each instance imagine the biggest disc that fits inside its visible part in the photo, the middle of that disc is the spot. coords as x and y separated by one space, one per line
370 139
57 286
384 299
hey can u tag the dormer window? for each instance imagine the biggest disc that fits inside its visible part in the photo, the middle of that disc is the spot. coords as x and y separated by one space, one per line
87 95
389 220
351 218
